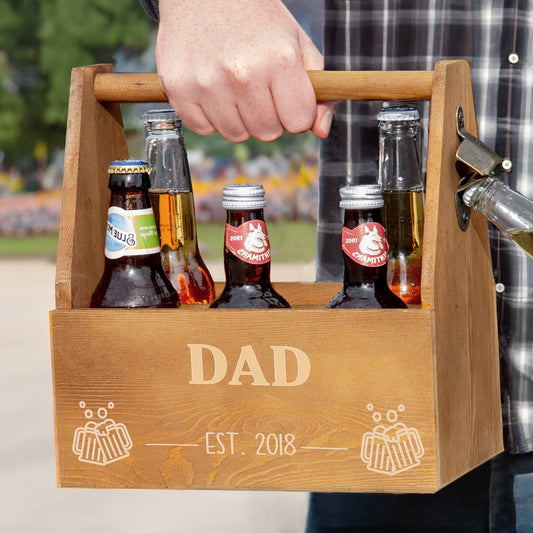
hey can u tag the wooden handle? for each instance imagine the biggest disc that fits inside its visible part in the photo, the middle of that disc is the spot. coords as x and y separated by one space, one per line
329 85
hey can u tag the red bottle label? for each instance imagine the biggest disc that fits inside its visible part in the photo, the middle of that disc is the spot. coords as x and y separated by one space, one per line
366 244
249 242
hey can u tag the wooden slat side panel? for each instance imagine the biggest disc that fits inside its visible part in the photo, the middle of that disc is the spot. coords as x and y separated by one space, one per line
357 386
463 294
95 137
54 395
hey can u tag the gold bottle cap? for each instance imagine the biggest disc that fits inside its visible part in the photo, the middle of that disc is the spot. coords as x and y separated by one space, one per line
128 166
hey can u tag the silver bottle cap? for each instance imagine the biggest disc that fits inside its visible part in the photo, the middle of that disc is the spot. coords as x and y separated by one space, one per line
398 114
156 117
243 196
361 197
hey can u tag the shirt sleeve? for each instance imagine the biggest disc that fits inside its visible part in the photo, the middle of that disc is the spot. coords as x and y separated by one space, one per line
152 8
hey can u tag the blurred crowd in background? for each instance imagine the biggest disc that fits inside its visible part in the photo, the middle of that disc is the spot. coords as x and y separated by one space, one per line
32 206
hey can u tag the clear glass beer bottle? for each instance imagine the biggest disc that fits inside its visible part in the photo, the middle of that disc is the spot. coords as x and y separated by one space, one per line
403 192
507 209
246 251
365 251
133 275
172 199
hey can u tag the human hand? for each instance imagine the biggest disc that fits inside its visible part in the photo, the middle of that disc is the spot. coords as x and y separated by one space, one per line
239 68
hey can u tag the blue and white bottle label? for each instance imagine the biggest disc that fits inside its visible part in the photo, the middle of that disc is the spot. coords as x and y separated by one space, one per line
130 233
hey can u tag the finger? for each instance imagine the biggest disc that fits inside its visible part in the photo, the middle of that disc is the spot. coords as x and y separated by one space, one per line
293 92
224 115
295 101
311 56
259 115
324 117
193 116
189 111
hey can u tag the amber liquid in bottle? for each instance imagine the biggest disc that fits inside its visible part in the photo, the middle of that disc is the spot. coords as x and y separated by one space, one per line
524 239
403 193
247 285
404 220
180 257
510 211
173 203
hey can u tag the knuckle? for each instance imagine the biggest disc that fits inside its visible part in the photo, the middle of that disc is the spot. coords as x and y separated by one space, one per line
241 74
288 56
207 80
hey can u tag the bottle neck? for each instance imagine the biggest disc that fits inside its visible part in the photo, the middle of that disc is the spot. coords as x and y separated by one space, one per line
167 157
133 198
507 209
246 249
355 273
171 188
399 159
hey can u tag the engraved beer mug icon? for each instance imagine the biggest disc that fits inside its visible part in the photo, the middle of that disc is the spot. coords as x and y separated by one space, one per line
101 443
393 449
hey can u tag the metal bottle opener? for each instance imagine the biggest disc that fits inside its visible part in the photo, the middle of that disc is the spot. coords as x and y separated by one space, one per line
474 162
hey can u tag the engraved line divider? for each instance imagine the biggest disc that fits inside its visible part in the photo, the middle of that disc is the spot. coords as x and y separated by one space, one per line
322 448
169 444
196 445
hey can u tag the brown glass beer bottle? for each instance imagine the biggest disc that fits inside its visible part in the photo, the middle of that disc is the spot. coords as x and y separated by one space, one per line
246 251
365 251
172 200
133 276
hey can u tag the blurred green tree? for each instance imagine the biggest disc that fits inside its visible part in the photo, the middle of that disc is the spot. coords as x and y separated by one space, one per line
40 42
82 32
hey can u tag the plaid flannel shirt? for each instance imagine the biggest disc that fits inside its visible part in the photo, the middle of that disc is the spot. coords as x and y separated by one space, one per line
496 37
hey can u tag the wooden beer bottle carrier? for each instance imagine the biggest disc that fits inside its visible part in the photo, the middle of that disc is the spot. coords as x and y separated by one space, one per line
304 399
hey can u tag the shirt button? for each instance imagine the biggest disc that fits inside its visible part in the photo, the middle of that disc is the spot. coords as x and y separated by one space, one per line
507 164
500 287
513 58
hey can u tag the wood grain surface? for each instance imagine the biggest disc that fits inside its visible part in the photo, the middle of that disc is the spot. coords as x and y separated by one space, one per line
392 400
141 362
328 85
457 282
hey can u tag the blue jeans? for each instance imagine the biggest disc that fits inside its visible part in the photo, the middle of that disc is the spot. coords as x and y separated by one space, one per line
496 497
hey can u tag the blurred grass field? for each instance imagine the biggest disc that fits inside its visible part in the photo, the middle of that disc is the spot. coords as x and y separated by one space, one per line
291 242
30 246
